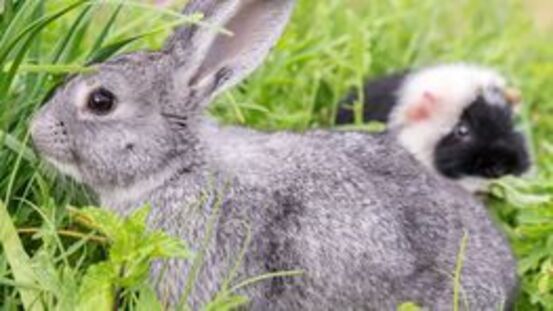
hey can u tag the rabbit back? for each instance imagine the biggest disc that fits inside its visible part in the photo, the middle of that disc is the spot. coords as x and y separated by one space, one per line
363 220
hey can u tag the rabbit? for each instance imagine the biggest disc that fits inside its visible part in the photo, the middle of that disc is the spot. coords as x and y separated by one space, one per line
362 220
457 119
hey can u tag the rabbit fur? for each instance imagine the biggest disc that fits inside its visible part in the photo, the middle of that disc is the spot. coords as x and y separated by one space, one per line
369 227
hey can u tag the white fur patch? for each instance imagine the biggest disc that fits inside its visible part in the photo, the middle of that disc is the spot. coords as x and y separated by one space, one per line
454 87
474 184
82 91
113 196
66 169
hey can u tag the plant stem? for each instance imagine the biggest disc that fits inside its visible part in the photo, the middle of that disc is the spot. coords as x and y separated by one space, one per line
458 268
67 233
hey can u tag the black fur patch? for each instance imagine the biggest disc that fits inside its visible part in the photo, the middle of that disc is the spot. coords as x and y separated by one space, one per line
379 97
490 147
279 250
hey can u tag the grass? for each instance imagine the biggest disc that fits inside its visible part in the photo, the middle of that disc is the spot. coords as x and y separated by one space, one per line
329 47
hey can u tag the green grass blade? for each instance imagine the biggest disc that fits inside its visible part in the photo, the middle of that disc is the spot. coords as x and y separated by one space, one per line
18 18
105 32
32 32
146 7
15 66
13 174
199 259
457 275
55 69
81 27
18 260
267 276
17 147
9 27
109 50
6 12
66 46
35 27
65 42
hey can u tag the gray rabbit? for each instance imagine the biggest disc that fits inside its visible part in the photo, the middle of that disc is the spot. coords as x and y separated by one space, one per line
366 223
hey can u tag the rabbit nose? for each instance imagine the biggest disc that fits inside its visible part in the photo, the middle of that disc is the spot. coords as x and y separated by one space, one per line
50 136
492 166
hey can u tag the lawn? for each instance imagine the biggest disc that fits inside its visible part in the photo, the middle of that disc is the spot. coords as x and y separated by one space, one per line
329 47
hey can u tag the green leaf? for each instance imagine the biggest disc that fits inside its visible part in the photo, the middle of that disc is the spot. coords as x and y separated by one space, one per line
544 283
105 221
147 300
164 246
68 295
133 247
517 193
532 260
97 289
18 260
137 220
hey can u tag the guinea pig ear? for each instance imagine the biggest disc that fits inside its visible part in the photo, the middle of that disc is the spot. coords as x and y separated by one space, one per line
514 98
210 61
423 109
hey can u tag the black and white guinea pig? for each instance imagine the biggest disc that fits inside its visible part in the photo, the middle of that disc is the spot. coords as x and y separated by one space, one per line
457 119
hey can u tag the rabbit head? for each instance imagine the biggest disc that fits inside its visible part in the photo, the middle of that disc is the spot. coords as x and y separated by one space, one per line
135 115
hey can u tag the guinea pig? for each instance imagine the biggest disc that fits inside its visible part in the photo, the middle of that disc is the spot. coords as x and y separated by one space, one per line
457 119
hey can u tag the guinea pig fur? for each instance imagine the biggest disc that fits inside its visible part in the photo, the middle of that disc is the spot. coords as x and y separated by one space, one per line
457 119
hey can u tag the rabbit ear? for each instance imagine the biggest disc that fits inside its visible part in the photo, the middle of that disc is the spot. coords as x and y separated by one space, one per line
210 61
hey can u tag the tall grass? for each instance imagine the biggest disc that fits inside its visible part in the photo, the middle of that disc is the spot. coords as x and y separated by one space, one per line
329 47
40 43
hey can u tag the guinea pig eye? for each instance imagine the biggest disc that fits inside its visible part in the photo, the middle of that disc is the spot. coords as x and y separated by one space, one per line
101 101
462 130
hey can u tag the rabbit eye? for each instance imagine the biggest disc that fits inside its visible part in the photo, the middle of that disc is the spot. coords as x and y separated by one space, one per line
101 101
